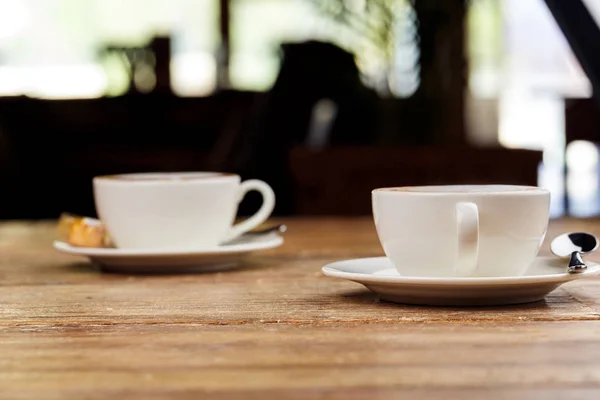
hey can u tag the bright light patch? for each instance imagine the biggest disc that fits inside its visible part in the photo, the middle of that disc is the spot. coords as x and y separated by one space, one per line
582 156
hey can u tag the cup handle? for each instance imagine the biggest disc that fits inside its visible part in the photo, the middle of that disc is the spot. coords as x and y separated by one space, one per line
467 226
261 215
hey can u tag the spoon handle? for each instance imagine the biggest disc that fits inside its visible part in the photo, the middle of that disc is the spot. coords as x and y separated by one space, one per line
576 264
277 228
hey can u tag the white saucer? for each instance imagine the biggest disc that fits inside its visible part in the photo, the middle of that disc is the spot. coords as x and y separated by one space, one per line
379 275
168 261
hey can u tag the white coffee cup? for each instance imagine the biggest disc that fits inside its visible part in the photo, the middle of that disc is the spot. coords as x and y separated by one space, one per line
183 211
461 231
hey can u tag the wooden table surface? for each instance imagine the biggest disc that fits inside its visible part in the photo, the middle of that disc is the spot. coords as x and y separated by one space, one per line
278 328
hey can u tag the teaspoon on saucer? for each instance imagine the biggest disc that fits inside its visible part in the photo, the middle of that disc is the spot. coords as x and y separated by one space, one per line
259 233
572 245
276 228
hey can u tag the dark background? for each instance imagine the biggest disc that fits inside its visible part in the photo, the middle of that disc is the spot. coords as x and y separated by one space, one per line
321 136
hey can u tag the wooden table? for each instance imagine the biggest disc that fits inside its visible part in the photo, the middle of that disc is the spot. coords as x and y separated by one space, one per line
277 328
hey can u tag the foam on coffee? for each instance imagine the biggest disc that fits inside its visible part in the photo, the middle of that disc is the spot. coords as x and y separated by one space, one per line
491 189
165 176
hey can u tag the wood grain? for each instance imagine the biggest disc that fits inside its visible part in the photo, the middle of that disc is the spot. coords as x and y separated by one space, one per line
276 327
303 361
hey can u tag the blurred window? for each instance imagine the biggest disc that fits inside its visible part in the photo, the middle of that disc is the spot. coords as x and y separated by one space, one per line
380 33
51 48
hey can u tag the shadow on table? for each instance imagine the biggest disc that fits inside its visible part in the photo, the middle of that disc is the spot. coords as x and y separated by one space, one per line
250 264
367 297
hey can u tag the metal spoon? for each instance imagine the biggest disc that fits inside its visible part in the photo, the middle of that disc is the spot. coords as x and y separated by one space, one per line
257 233
276 228
572 245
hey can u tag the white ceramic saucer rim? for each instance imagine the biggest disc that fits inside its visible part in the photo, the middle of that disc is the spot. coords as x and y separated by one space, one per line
333 270
257 245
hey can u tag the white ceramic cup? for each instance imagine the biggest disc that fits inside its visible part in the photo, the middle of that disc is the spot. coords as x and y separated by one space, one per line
461 231
183 211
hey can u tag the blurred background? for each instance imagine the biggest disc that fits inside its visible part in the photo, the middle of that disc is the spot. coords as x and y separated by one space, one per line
323 99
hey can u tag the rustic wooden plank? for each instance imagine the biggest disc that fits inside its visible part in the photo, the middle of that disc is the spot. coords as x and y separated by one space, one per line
267 290
137 361
372 392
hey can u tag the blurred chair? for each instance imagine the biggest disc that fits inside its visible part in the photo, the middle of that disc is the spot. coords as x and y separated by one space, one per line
339 180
